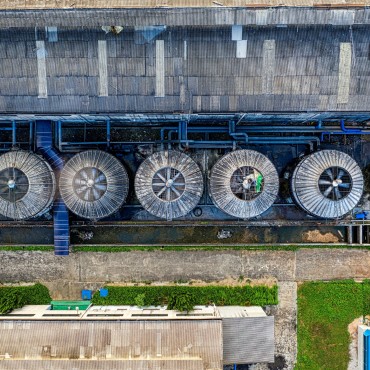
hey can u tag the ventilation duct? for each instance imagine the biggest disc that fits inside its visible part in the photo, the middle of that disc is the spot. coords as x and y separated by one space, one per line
27 185
244 183
93 184
169 184
327 184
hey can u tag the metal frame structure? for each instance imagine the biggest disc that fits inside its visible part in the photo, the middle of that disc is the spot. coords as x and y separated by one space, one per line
242 129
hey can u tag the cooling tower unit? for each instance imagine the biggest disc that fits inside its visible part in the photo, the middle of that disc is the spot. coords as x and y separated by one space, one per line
93 184
169 184
244 183
27 185
327 184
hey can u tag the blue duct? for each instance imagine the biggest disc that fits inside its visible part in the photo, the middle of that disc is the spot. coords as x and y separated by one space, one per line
44 142
367 349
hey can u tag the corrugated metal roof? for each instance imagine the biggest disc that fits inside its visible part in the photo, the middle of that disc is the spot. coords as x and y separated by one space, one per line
208 77
158 364
62 4
248 340
199 341
199 16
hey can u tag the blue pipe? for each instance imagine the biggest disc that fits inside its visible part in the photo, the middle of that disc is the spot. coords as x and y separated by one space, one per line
14 133
349 130
44 141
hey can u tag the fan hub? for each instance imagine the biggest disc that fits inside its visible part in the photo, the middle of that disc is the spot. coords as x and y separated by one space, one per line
11 184
90 183
14 184
337 182
169 183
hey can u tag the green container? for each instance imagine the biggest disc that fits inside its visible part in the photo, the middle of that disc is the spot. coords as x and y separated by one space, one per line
69 305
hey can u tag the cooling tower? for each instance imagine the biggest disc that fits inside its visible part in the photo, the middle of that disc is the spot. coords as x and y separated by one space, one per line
93 184
244 183
327 184
169 184
27 185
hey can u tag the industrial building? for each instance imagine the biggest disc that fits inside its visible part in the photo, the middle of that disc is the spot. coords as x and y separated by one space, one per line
124 337
183 114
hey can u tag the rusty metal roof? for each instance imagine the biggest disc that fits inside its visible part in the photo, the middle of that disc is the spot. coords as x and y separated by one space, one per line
96 4
186 345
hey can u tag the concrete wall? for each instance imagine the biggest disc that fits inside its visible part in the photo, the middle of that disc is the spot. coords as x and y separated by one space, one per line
66 276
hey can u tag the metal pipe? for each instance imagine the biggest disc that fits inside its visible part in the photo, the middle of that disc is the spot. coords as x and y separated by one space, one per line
360 237
108 134
31 141
349 235
14 133
349 130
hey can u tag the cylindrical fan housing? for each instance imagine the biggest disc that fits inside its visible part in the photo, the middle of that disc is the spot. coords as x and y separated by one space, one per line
27 185
93 184
327 184
169 184
244 183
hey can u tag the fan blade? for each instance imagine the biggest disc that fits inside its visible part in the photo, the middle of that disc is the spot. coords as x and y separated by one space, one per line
79 182
158 183
161 177
343 185
329 173
324 182
340 174
94 173
96 194
175 191
168 173
168 194
161 192
83 174
100 178
102 187
81 189
337 193
176 176
87 194
327 191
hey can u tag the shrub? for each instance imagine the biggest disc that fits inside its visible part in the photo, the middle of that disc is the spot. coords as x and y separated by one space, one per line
204 295
140 300
183 301
16 297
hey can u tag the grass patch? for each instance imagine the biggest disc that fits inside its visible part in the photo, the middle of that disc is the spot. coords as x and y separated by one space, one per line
324 311
122 248
17 297
161 295
41 248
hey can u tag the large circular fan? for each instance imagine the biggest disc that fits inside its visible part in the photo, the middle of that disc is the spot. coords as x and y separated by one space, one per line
327 184
27 185
93 184
169 184
244 183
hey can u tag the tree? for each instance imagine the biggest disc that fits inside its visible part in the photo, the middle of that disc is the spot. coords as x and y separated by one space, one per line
183 301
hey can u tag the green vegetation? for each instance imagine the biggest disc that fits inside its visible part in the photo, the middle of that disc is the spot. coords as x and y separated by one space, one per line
163 295
184 301
122 248
325 309
16 297
42 248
